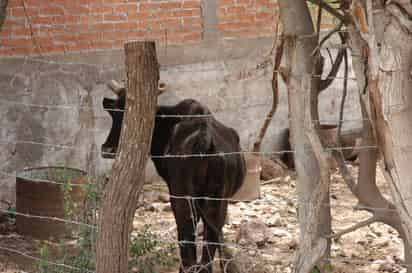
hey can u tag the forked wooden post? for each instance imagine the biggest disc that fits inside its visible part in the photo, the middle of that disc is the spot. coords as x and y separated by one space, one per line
122 191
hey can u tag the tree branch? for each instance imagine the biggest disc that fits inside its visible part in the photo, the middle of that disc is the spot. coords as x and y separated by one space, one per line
275 90
336 65
355 227
328 8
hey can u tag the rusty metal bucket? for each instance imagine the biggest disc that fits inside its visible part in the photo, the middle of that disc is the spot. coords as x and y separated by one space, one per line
250 189
41 194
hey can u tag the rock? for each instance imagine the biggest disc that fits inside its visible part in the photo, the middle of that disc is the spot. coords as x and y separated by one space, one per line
278 232
252 252
159 207
274 221
270 169
293 243
167 207
253 232
163 197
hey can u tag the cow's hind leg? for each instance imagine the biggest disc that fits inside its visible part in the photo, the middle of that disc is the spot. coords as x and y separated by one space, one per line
186 221
213 216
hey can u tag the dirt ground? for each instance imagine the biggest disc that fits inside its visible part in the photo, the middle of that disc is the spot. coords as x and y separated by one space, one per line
263 233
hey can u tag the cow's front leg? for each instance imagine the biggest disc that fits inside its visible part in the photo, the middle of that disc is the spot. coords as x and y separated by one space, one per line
186 222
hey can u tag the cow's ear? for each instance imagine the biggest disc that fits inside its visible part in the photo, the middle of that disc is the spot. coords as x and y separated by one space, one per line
109 104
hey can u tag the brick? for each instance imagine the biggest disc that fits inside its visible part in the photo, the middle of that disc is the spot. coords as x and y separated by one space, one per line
78 9
126 8
21 12
51 11
140 16
186 12
192 37
170 5
66 19
114 17
149 6
101 9
78 28
21 31
191 4
64 39
92 36
149 24
165 14
91 18
18 43
236 9
171 23
41 20
14 3
16 51
223 3
125 26
264 16
136 34
101 44
102 27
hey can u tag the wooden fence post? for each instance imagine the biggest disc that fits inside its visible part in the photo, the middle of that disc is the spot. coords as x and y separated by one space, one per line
120 199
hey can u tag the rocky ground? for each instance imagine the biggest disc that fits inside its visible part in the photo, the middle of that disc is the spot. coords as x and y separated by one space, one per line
262 234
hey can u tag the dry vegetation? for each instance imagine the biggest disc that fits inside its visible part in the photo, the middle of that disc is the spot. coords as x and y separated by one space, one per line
265 231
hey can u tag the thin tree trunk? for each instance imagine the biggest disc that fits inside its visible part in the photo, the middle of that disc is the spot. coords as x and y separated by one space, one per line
310 161
121 194
3 7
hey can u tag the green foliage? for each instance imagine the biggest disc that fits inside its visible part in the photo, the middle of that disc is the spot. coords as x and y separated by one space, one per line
11 212
147 251
42 266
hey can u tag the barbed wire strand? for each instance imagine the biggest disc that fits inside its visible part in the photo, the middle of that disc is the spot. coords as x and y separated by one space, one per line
168 156
21 253
50 218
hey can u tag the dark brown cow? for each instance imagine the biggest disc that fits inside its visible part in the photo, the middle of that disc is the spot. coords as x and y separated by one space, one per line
215 177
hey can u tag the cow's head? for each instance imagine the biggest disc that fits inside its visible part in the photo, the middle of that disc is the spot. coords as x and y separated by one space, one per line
116 108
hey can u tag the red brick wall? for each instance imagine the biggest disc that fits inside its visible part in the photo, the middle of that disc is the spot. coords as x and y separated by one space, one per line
55 26
50 26
239 18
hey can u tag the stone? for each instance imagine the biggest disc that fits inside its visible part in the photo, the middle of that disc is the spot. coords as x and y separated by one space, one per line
163 197
274 221
253 233
270 169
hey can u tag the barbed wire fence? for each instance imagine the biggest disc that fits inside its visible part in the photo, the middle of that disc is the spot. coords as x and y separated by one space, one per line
70 107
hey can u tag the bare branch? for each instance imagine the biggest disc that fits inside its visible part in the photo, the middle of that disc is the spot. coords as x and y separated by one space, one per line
355 227
328 8
275 90
344 93
346 175
334 70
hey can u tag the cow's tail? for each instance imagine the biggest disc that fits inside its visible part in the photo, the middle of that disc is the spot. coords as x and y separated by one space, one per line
201 140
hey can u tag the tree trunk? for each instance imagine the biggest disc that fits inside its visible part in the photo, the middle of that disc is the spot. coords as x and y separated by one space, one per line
120 200
384 82
3 11
310 161
394 100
